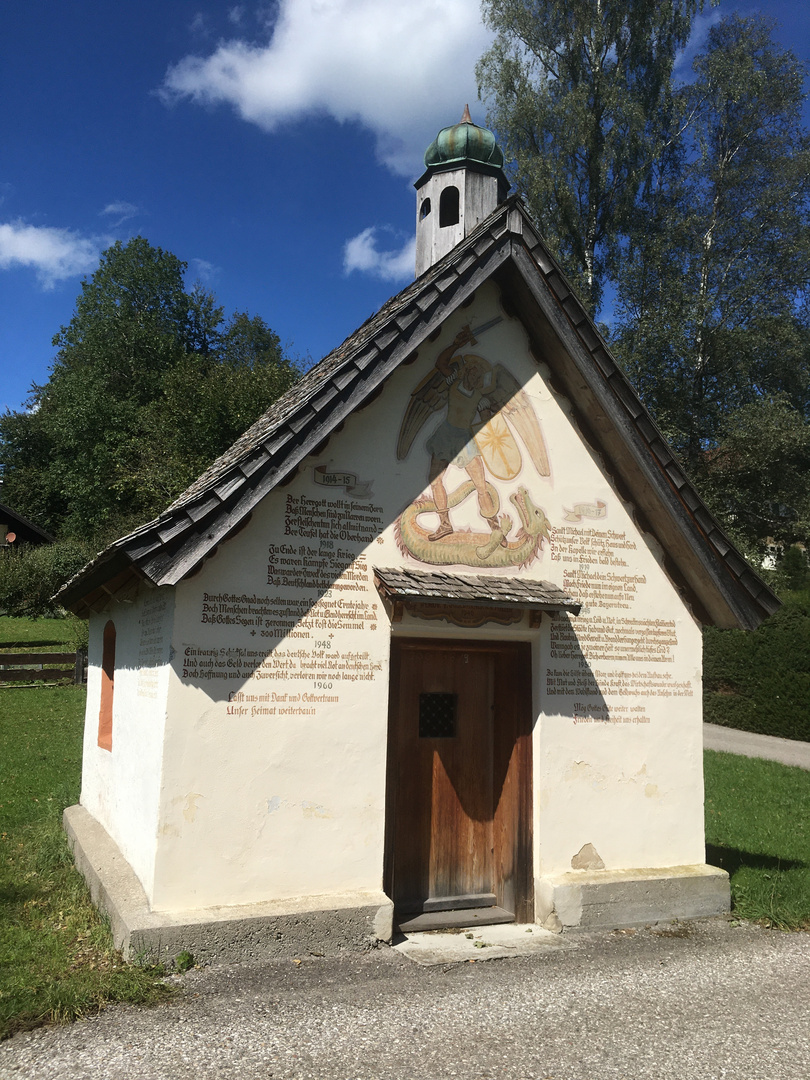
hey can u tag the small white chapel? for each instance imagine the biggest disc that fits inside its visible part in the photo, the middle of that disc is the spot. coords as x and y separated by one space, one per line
423 648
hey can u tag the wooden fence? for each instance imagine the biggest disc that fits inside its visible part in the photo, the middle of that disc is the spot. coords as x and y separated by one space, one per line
16 667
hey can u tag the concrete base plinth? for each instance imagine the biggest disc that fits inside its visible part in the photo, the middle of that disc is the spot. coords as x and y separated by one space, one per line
596 899
324 925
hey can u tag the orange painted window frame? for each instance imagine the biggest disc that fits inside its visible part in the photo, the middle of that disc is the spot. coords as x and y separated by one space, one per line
105 712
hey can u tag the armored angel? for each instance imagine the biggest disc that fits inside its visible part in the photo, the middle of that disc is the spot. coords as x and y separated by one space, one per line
482 402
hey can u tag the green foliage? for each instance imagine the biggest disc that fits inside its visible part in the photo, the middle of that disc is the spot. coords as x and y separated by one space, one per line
758 829
185 432
148 386
579 95
30 575
56 956
713 297
760 680
693 201
793 571
756 479
184 961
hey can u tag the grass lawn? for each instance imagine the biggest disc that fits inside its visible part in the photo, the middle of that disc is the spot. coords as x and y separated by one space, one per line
42 635
36 633
758 829
56 956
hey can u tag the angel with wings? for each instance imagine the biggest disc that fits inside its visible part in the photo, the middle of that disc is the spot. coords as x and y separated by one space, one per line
482 403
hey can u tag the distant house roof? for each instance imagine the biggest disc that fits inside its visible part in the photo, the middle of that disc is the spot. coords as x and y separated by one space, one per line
506 249
26 531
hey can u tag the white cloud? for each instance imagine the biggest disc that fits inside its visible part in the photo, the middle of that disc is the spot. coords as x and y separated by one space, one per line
696 44
362 253
55 254
402 70
199 25
121 211
204 270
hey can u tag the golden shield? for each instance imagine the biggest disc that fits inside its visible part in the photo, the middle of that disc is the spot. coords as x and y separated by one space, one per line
498 449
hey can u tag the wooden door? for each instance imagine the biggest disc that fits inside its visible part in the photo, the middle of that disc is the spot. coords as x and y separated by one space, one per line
459 779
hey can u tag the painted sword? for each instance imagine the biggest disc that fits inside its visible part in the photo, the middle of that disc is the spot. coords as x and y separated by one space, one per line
477 331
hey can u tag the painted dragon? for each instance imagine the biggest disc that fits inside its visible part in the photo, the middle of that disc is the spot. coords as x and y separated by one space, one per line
468 548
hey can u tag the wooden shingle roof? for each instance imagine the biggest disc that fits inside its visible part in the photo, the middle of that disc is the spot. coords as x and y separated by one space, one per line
506 248
401 583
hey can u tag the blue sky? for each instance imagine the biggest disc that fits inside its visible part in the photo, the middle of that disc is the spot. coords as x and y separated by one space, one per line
272 146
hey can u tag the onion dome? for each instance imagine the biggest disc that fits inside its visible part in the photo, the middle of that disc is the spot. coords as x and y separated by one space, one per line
464 142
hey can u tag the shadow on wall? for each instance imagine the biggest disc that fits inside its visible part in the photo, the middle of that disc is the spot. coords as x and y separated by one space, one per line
287 631
568 681
307 651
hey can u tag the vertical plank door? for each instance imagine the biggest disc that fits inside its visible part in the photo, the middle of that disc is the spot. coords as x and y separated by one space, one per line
460 786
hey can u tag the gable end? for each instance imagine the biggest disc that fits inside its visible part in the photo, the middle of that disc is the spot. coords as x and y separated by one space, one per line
507 249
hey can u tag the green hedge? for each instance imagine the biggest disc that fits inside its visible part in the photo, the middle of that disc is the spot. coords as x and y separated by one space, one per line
760 680
29 576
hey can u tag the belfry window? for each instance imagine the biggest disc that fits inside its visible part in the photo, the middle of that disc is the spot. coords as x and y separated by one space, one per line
424 209
448 207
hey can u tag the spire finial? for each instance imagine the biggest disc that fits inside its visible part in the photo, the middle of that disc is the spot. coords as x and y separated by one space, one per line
466 118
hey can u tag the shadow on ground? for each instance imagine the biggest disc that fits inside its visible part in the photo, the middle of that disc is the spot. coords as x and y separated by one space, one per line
732 859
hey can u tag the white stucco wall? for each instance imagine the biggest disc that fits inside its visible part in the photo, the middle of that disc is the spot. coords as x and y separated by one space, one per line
121 788
267 794
273 772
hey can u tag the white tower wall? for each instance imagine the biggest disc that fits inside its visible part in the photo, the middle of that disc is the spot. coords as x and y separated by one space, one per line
477 198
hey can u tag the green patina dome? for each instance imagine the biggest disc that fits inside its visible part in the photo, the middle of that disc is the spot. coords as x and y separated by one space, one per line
464 141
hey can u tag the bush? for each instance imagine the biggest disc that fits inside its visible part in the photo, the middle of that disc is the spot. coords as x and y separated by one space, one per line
29 576
760 680
793 571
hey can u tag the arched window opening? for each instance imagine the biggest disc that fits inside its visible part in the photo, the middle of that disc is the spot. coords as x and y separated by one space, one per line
105 712
448 207
424 209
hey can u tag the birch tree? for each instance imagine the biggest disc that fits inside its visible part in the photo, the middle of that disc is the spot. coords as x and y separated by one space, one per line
715 294
579 93
714 298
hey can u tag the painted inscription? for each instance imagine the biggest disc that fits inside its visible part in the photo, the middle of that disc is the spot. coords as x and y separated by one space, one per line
332 519
151 645
578 544
303 637
603 638
612 629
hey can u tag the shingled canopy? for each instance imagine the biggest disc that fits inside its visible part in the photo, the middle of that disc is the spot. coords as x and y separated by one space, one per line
437 587
506 249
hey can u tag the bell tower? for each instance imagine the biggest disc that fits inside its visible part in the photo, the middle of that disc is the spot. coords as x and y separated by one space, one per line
463 183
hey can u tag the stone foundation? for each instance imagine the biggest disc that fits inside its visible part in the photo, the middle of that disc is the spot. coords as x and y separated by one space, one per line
323 925
607 899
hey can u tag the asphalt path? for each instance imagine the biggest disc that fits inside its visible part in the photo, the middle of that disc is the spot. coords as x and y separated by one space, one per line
709 1000
786 751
